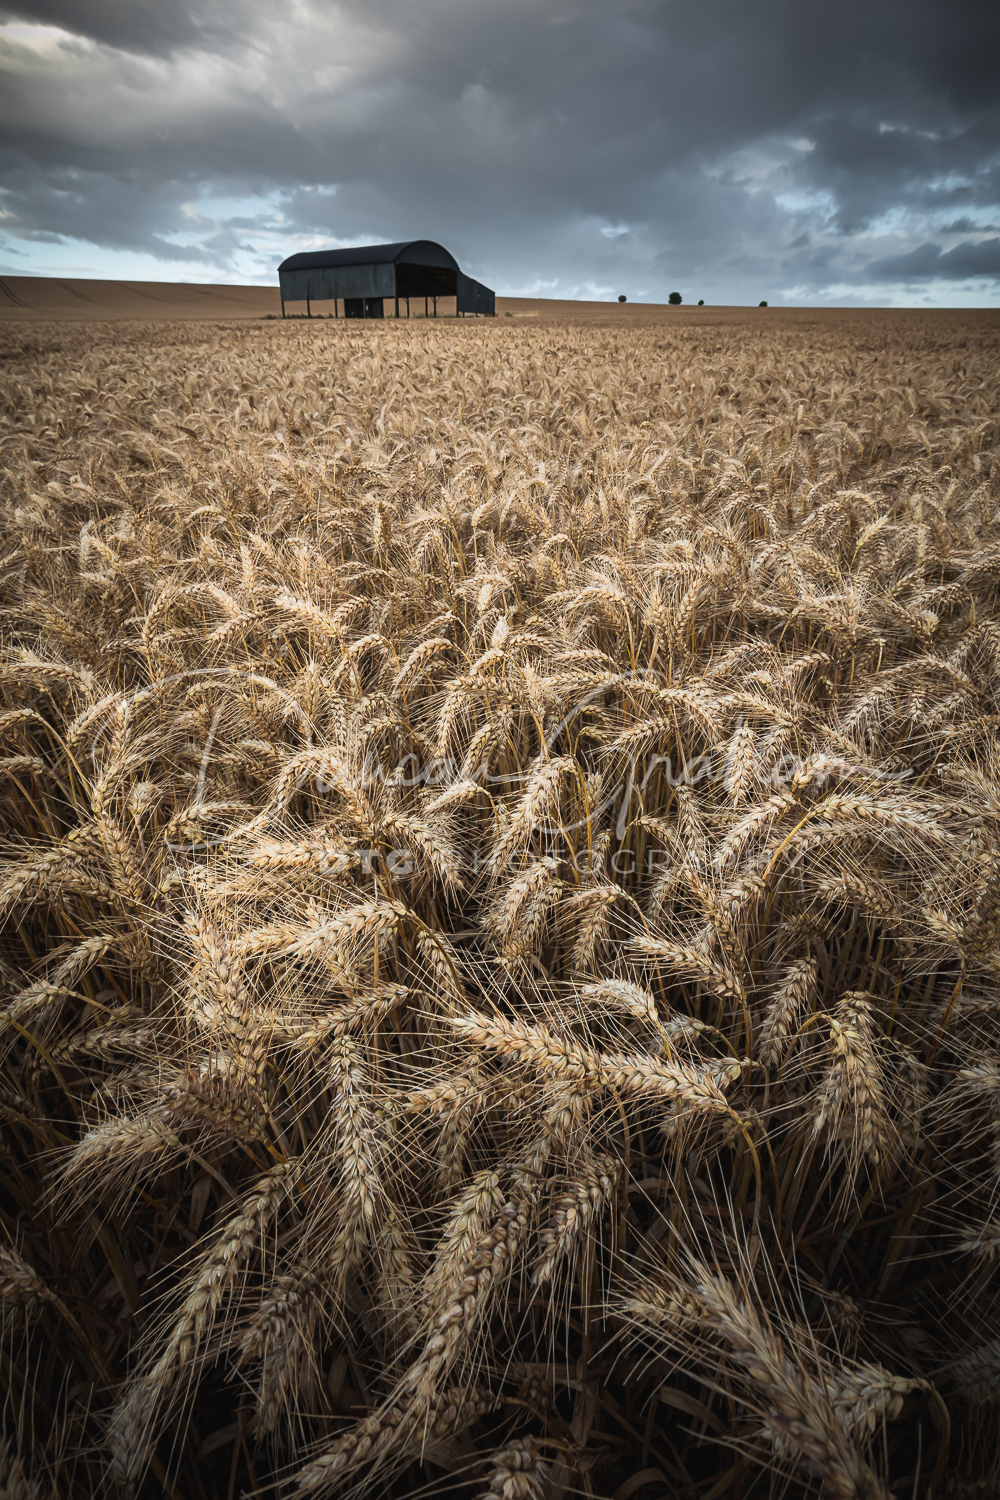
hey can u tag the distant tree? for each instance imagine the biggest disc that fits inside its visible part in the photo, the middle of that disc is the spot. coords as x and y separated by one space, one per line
675 299
761 304
701 302
622 299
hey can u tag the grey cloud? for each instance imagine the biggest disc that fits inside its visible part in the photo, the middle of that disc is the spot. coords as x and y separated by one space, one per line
868 168
40 237
744 147
929 262
100 208
145 26
968 226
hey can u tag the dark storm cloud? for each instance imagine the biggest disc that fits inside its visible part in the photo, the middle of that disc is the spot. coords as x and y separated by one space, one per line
929 261
967 226
137 25
730 151
99 208
869 165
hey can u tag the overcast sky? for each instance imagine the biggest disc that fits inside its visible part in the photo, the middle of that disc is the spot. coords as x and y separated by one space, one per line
793 150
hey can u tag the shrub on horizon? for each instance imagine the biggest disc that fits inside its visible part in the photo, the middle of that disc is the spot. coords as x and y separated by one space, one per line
675 299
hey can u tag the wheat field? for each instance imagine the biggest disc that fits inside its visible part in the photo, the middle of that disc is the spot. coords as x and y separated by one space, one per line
500 909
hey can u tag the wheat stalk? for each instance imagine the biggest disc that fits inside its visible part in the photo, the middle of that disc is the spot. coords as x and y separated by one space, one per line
496 814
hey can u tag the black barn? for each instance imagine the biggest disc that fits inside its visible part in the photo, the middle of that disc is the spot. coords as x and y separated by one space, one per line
364 277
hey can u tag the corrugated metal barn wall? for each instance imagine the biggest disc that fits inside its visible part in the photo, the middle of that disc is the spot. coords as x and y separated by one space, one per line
473 297
324 283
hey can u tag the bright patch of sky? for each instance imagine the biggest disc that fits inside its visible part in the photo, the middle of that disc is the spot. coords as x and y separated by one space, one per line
980 293
77 258
43 39
886 128
536 288
802 202
216 207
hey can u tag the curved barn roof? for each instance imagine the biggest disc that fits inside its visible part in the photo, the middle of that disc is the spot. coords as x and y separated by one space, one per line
408 252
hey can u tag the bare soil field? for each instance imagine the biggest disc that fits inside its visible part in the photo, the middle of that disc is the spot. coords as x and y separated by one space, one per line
499 903
28 299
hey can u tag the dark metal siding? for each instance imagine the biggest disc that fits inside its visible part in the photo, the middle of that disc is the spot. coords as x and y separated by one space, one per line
473 297
359 255
426 253
377 279
406 252
412 268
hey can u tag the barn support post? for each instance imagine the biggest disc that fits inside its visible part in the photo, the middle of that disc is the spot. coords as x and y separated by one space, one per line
407 307
309 311
282 307
397 307
426 311
435 301
336 307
